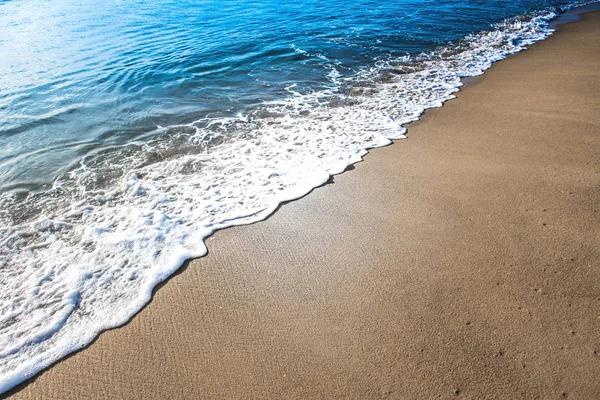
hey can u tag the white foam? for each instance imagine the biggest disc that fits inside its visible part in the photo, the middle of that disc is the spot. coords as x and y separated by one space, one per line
91 258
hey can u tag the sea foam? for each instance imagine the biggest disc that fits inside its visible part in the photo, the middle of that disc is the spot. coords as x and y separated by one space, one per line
85 255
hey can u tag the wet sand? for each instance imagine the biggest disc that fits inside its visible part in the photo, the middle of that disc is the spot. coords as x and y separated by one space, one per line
464 261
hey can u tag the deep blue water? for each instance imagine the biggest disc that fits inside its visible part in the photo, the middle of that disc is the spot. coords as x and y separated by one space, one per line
76 76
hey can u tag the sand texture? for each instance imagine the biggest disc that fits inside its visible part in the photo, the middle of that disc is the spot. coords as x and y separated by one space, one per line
462 262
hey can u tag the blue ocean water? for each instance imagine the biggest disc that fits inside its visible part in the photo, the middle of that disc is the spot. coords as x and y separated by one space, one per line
131 130
78 76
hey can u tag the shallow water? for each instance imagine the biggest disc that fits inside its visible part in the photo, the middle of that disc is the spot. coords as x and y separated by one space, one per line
78 76
129 131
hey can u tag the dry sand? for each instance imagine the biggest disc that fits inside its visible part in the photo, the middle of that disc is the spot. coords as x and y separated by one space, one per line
463 261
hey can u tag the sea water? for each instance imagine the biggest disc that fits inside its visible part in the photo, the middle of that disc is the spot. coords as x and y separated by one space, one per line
132 130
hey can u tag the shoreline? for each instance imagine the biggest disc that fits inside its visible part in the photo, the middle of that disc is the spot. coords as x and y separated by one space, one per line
253 190
299 285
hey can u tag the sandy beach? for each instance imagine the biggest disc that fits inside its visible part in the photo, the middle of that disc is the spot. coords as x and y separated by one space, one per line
461 262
